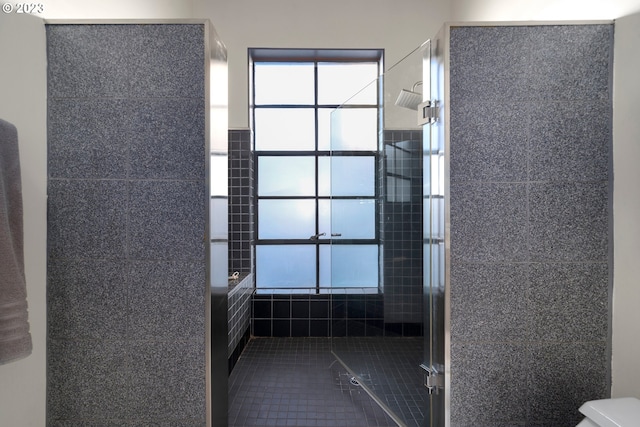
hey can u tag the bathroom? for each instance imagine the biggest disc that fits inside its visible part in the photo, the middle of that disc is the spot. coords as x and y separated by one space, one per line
25 404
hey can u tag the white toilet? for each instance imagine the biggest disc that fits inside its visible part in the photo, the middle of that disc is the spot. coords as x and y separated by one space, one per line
621 412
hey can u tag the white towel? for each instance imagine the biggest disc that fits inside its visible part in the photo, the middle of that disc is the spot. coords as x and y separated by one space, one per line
15 339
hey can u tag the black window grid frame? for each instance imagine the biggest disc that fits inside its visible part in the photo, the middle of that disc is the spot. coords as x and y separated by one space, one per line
316 153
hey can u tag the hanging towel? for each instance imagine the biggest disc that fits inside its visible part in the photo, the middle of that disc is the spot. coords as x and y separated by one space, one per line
15 339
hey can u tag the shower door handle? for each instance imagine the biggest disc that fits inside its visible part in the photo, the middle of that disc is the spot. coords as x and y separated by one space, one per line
336 234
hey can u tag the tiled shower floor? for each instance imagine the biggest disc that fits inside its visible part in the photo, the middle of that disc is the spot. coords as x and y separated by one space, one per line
297 382
389 367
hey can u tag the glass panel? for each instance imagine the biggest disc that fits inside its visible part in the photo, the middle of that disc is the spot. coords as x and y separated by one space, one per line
354 266
346 176
338 82
219 223
286 219
354 129
398 189
285 129
325 266
219 167
284 83
324 128
351 219
285 266
219 264
286 176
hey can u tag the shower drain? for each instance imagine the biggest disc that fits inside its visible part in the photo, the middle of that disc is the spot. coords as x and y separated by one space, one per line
354 381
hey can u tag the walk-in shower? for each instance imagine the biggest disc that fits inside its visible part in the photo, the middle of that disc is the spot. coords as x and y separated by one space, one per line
389 356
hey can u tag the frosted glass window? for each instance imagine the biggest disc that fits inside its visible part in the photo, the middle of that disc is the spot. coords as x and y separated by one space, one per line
343 82
219 223
284 83
325 266
354 266
324 128
354 129
285 129
346 176
219 265
286 176
219 175
286 219
285 266
352 219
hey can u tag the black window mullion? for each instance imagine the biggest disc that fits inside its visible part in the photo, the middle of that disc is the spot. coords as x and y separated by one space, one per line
317 154
317 146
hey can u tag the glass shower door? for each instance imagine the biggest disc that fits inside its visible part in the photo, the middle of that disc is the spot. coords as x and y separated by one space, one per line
433 237
383 329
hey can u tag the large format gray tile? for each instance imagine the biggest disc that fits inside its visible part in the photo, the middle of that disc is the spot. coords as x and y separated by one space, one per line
488 222
561 377
125 60
571 62
569 301
86 299
569 221
167 220
88 138
489 141
166 299
487 63
87 219
86 379
167 379
489 302
570 141
488 383
135 423
167 139
86 423
531 62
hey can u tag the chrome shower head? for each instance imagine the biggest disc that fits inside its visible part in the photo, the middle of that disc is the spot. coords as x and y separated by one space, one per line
409 98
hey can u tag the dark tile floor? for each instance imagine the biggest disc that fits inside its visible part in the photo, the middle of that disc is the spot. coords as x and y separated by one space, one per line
297 382
390 368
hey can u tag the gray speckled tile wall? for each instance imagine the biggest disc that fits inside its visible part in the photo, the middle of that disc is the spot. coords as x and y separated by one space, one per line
517 63
569 221
569 301
579 130
167 219
87 379
486 373
130 61
493 302
484 133
530 152
87 219
127 213
87 299
479 212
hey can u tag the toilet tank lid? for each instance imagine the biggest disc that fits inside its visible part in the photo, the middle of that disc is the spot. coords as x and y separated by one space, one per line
620 412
